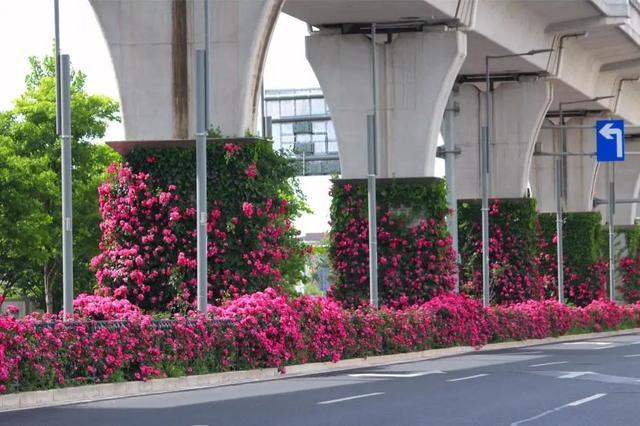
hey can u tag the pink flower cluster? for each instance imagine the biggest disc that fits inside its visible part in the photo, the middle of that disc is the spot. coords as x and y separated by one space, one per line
148 249
630 288
519 275
265 329
415 260
580 287
513 273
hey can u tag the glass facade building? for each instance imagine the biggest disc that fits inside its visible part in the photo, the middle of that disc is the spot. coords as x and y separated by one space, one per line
301 127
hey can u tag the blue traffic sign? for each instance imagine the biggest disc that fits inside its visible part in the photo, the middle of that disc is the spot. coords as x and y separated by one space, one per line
610 140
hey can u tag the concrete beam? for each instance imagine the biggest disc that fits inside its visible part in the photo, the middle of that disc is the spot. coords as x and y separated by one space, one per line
518 112
416 72
584 24
621 66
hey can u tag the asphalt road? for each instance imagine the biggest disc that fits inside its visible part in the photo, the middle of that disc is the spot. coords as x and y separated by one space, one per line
593 382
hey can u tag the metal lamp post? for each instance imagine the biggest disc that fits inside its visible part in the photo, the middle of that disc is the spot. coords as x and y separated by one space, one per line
485 172
561 190
372 134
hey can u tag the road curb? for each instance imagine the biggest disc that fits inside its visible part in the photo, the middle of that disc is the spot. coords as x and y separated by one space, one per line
87 393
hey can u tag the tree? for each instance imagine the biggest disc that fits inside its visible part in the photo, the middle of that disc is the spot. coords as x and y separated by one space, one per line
30 204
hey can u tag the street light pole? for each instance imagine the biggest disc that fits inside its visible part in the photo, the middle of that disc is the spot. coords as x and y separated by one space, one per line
372 136
67 208
56 25
485 173
562 189
201 181
484 178
206 65
450 173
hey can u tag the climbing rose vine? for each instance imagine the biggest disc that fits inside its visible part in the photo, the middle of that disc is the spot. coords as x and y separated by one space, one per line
415 255
148 244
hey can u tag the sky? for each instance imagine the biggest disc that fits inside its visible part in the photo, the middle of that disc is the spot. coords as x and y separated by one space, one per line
27 29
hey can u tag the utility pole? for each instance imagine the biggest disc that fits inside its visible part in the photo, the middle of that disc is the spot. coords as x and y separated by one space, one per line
450 174
201 181
372 133
67 207
485 174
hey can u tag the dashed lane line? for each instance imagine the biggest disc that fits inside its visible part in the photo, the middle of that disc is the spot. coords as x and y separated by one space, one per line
549 363
349 398
562 407
396 375
467 378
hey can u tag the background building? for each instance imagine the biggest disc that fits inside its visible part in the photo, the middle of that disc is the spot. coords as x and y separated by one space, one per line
302 127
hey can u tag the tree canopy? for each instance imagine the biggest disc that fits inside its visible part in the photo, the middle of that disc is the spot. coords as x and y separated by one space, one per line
30 194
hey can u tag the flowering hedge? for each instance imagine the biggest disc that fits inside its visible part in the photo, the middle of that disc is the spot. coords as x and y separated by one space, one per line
148 244
415 256
512 250
585 265
265 329
630 265
630 271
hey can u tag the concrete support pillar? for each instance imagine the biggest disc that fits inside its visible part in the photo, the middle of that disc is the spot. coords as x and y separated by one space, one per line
581 171
627 186
152 45
518 112
542 176
416 72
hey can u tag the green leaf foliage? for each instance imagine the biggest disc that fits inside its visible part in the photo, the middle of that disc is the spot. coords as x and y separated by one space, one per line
228 187
30 204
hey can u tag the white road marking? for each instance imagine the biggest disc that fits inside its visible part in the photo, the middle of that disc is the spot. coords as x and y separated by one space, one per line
349 398
587 399
632 356
570 404
549 363
574 374
467 378
397 375
588 343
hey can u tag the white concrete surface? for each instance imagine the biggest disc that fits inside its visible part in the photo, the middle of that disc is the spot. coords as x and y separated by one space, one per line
153 44
415 74
518 111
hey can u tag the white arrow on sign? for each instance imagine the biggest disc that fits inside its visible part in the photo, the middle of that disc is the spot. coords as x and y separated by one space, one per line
609 132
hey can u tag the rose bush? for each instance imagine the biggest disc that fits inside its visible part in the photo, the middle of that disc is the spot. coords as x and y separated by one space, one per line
148 243
111 340
630 271
415 255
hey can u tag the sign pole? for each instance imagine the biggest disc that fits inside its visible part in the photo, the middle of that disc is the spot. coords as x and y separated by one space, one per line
611 211
610 148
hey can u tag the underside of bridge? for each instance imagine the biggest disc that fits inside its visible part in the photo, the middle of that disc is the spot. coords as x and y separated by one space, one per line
425 48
